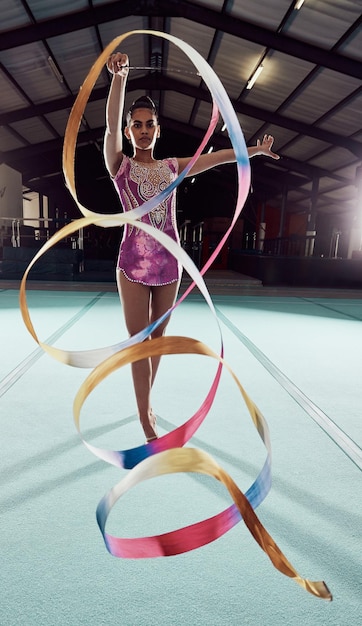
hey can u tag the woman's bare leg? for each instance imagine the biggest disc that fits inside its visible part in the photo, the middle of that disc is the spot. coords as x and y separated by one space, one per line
162 299
141 306
135 300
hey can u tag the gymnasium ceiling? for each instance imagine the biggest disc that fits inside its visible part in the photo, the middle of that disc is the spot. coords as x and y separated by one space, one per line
309 95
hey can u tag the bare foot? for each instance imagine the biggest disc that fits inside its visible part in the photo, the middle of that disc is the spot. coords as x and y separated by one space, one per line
149 427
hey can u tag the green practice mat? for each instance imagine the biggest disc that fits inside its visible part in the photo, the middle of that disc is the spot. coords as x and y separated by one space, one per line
300 360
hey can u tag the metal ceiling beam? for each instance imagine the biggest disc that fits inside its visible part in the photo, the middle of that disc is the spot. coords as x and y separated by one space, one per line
166 83
66 103
181 8
262 114
44 108
25 158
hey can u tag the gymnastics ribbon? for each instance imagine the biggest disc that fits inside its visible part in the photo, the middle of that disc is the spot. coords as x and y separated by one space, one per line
164 455
174 460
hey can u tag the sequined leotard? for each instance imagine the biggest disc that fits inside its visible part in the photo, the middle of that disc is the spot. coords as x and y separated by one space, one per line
142 258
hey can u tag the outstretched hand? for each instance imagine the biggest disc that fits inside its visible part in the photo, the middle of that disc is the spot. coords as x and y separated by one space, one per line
265 147
118 63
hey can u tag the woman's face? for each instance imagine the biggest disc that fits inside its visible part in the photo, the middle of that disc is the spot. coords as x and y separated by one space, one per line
143 129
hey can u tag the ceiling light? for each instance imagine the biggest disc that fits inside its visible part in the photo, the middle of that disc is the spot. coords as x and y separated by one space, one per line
298 4
223 128
55 70
255 76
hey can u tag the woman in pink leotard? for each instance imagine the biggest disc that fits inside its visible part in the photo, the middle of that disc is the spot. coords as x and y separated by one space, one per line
148 276
141 257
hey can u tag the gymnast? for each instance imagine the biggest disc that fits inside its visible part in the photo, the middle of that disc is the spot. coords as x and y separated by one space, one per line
148 275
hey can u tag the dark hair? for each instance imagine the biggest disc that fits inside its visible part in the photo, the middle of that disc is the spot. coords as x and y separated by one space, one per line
144 102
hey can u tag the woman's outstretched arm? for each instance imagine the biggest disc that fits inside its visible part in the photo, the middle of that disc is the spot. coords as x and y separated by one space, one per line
213 159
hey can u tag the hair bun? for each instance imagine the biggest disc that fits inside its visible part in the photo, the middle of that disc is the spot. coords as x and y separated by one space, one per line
144 102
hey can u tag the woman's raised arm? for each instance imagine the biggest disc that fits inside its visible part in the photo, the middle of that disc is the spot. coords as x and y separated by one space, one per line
117 64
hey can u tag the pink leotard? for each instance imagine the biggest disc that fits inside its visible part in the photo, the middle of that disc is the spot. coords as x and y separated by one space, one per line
142 258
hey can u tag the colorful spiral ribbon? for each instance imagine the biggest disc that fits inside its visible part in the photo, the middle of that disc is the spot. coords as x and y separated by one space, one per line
166 455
